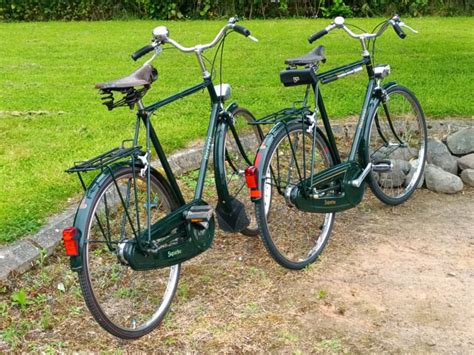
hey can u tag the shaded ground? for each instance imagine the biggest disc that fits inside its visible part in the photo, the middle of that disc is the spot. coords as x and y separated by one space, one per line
391 279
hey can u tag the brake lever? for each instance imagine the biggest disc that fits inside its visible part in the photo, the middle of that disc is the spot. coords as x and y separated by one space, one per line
252 38
402 24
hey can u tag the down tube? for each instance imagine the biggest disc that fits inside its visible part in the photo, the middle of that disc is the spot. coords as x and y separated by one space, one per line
206 151
359 134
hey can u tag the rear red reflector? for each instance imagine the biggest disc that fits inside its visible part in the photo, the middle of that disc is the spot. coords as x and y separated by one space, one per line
251 177
255 194
70 239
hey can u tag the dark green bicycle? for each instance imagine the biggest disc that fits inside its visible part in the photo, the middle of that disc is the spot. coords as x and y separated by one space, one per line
133 226
298 168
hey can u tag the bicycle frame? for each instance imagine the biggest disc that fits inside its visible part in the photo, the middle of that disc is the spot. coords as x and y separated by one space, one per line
349 174
145 114
136 252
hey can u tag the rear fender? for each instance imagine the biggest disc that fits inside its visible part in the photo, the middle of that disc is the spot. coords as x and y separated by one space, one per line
83 212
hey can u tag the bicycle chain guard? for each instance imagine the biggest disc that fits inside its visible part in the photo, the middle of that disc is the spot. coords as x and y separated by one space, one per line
183 234
342 197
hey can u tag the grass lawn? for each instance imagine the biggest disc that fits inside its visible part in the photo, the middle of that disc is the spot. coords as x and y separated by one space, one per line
51 116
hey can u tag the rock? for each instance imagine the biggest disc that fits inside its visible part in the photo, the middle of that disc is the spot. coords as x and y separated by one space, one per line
439 155
397 176
413 167
441 181
467 176
466 162
461 142
399 153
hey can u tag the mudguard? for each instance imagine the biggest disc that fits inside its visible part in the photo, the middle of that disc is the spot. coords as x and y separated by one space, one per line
219 144
83 210
231 213
373 104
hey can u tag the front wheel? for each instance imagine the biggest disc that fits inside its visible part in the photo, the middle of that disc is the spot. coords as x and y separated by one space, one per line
397 137
293 238
125 302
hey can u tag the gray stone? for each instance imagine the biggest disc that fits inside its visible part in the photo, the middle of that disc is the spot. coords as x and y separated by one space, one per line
466 162
187 160
397 176
461 142
17 258
406 154
48 237
439 155
439 180
413 167
467 176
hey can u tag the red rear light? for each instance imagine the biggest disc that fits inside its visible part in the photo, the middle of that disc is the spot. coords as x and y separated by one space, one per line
251 177
255 194
70 239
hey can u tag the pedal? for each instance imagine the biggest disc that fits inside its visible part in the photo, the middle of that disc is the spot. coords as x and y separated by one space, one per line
200 215
382 166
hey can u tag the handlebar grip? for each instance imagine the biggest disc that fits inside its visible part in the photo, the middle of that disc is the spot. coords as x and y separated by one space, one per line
242 30
142 51
317 35
398 30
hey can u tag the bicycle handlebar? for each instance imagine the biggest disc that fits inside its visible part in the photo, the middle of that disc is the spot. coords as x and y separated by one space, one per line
161 36
142 51
339 23
317 35
200 47
398 30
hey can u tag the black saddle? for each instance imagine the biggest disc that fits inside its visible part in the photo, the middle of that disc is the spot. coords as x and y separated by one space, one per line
143 76
313 57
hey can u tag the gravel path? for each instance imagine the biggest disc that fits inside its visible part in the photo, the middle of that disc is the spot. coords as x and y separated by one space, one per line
391 279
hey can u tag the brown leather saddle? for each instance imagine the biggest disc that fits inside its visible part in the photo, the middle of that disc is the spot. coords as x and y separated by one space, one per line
143 76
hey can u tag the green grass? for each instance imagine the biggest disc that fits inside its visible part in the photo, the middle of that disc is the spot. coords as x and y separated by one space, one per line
52 67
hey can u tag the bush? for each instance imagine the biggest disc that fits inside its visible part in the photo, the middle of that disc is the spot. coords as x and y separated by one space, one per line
44 10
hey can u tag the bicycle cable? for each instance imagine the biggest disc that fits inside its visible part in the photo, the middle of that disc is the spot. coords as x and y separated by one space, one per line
220 47
373 43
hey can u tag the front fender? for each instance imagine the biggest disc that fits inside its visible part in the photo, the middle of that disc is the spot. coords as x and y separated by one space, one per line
373 105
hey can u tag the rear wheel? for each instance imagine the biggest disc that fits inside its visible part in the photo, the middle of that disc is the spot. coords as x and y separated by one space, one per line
241 143
125 302
397 137
293 238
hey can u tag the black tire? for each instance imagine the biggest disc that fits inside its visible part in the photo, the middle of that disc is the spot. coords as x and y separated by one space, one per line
126 303
288 233
397 133
237 160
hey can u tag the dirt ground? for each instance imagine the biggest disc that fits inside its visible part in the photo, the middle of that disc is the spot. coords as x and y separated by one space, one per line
390 280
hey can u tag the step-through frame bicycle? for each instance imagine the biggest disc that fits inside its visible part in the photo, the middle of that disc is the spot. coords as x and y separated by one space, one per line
316 179
133 222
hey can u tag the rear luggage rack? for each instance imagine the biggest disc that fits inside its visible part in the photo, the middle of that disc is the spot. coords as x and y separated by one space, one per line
290 112
105 159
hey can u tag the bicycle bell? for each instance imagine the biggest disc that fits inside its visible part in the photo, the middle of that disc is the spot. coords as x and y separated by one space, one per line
339 21
160 33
